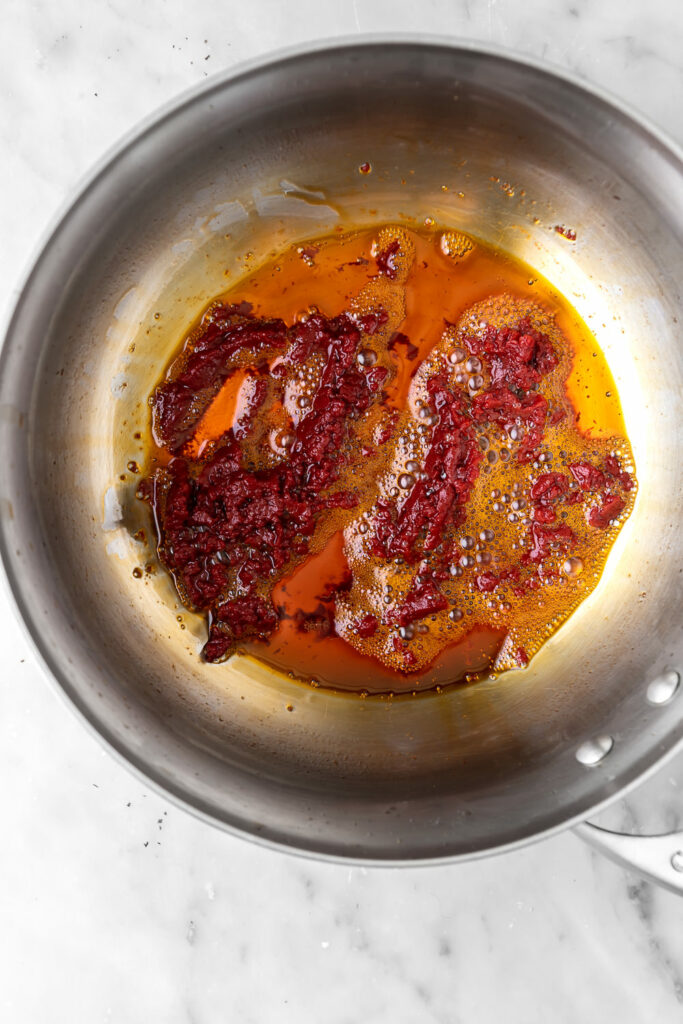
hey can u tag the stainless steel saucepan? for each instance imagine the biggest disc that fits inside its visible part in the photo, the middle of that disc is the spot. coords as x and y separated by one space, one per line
251 162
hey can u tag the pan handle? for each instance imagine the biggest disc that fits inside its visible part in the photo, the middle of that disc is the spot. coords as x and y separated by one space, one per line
657 858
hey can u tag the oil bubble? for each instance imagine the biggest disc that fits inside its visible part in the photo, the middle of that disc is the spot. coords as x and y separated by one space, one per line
284 440
572 567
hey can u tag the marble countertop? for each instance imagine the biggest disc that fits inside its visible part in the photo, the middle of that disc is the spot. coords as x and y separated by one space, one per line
115 905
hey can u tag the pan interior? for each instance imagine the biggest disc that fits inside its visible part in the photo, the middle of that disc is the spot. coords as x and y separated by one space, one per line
250 165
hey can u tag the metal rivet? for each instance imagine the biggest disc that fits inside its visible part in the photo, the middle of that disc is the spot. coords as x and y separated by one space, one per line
662 689
677 860
593 751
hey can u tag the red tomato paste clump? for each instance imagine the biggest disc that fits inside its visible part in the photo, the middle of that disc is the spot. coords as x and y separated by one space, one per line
227 528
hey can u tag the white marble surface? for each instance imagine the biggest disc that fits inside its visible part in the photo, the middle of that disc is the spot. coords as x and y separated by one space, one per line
114 905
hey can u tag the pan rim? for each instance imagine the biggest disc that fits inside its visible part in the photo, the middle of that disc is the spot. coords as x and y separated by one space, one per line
97 726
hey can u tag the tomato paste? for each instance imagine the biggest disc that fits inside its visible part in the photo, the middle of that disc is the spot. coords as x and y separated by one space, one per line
390 467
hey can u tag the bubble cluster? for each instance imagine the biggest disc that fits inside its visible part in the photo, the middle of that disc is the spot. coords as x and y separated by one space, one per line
455 244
